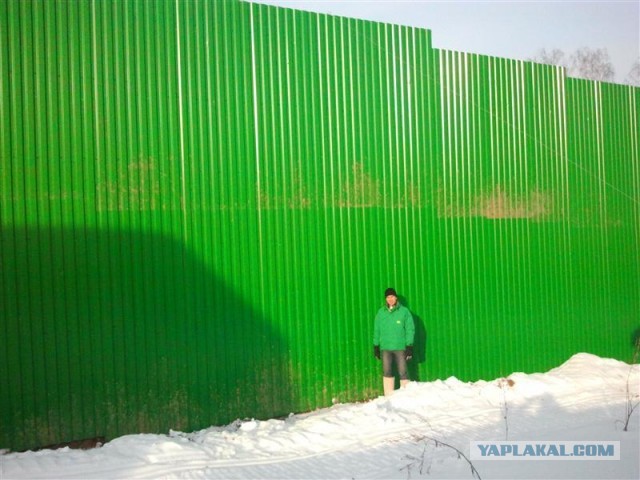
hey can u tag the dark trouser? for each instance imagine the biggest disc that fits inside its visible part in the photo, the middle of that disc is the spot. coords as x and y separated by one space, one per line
388 357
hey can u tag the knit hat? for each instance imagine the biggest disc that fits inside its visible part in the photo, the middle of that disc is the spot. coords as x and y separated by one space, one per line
390 291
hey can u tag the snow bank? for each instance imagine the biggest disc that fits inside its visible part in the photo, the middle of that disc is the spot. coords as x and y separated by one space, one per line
583 399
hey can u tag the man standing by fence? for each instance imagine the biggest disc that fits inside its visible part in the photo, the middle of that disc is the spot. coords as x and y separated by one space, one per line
393 335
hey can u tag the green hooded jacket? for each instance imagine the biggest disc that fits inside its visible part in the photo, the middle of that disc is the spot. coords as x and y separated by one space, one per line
393 329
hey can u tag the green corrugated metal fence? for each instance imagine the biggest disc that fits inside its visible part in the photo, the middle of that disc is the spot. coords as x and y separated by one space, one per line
201 204
339 104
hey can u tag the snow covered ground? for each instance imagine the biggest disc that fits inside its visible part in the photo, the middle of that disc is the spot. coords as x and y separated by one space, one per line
412 434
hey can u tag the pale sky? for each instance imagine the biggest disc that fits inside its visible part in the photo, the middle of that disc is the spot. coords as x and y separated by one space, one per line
515 29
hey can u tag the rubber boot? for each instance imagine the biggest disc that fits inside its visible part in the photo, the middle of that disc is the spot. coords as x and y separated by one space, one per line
389 385
404 383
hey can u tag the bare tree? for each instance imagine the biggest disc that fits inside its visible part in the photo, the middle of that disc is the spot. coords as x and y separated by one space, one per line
583 63
592 64
552 57
633 77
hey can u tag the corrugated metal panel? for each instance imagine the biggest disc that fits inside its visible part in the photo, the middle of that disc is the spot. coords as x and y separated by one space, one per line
539 183
201 203
605 212
502 230
127 230
344 117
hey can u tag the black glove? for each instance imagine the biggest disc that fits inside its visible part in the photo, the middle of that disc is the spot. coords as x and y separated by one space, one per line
376 351
408 352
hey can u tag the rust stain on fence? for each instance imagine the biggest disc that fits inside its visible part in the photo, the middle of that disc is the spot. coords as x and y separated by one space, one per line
500 204
362 190
135 187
